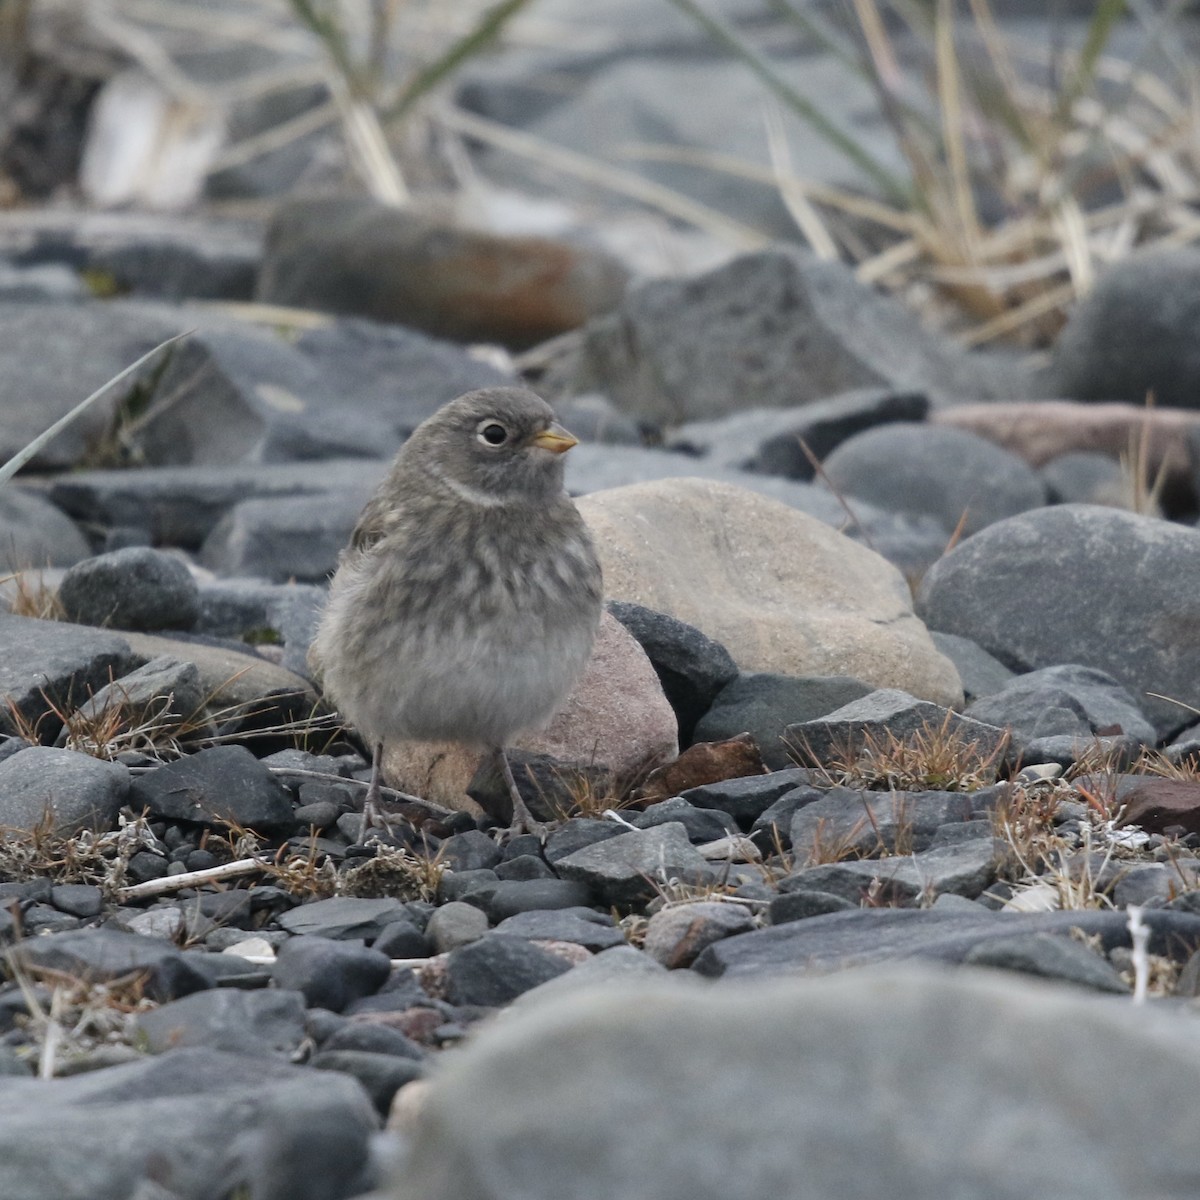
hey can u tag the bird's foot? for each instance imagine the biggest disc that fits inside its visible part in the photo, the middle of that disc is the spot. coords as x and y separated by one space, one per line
373 816
523 821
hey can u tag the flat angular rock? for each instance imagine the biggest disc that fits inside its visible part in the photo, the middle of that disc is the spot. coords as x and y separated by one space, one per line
747 799
585 927
781 591
952 1062
511 896
69 790
65 662
330 974
216 787
848 939
981 673
886 713
100 955
343 917
188 1116
984 589
765 704
165 689
624 869
1049 956
618 965
262 1022
497 969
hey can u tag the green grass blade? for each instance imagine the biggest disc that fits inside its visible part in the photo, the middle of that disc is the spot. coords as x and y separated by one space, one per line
22 456
466 47
893 187
1100 28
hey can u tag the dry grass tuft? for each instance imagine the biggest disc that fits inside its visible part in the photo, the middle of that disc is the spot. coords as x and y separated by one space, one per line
31 596
400 874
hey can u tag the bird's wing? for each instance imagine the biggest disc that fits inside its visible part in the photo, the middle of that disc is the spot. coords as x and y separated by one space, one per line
374 523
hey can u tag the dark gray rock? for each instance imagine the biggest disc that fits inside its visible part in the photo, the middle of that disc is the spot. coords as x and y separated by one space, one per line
625 869
191 1117
220 786
50 664
935 471
907 1057
577 833
506 898
1025 590
981 673
469 851
264 1022
702 825
1132 334
885 712
381 1075
803 903
100 955
853 821
78 899
330 974
455 924
36 533
746 799
73 791
374 1038
343 917
691 667
1085 477
254 612
774 824
770 440
400 939
180 506
166 689
765 705
1066 699
497 969
768 330
676 935
585 927
848 939
1050 956
592 418
525 866
137 588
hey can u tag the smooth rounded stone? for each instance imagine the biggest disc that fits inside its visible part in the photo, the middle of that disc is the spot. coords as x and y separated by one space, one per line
691 667
267 1021
497 969
873 935
625 870
524 845
1064 699
780 590
455 885
1025 590
1152 885
885 713
343 917
167 690
456 924
804 903
936 471
937 1058
594 418
372 1037
413 268
37 534
1087 477
616 714
578 833
774 824
676 935
764 705
49 663
40 919
1132 334
400 939
72 791
748 798
509 897
524 867
470 851
217 787
146 865
100 955
78 899
138 588
854 821
585 927
773 440
1051 956
198 1115
381 1075
770 329
981 673
330 974
702 825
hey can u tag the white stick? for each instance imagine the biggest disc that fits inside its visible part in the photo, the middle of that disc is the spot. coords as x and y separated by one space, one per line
176 883
1139 933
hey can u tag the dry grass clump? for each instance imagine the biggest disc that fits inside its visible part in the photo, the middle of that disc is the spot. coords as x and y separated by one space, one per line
31 596
397 873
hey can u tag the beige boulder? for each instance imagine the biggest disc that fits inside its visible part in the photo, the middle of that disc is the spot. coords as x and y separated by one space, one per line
781 590
616 715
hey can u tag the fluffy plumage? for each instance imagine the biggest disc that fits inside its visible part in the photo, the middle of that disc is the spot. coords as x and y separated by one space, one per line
466 605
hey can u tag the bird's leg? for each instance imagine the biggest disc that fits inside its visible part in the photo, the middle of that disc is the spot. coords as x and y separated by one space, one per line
522 818
372 815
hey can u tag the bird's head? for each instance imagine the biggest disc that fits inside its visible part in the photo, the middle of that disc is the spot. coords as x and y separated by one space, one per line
494 446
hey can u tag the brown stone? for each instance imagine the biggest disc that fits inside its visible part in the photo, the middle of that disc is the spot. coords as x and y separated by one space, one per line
1159 804
706 762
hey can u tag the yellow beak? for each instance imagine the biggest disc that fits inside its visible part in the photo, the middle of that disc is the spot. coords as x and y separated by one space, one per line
555 439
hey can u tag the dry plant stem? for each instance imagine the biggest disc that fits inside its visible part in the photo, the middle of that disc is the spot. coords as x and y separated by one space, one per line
176 883
387 793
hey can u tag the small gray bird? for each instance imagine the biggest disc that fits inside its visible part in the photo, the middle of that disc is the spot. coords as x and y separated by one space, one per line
466 605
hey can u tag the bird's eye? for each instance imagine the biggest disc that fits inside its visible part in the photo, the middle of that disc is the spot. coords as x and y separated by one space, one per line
493 433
